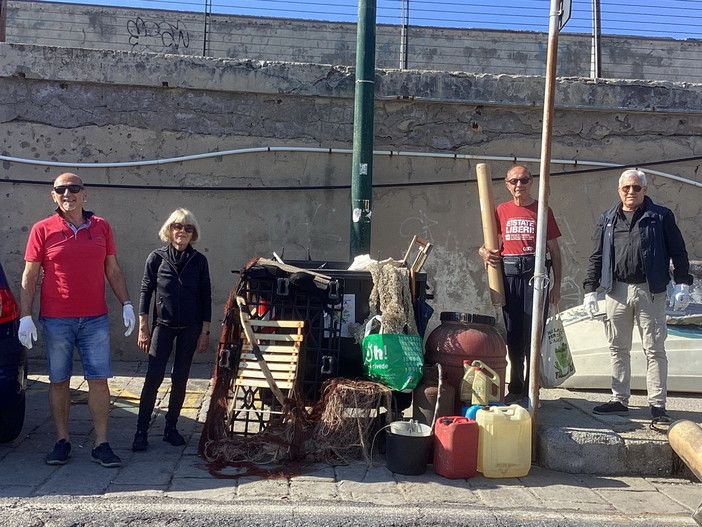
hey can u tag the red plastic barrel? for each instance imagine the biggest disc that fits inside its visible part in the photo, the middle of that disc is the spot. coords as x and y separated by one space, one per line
455 447
465 336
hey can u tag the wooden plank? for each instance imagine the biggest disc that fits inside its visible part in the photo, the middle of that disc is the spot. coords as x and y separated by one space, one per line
257 375
263 384
278 323
274 355
277 337
274 366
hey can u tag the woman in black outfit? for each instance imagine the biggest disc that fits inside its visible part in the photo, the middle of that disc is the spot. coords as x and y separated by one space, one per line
178 278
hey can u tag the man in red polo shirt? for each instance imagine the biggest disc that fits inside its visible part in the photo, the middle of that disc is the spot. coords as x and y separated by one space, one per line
76 251
516 220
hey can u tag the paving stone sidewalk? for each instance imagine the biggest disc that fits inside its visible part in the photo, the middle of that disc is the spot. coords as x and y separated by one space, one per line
179 473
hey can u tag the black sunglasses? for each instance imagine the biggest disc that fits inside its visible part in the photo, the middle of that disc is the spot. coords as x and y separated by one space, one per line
73 189
522 180
635 188
181 227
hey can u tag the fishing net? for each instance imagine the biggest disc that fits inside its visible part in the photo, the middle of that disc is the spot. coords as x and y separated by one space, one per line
351 412
390 297
337 429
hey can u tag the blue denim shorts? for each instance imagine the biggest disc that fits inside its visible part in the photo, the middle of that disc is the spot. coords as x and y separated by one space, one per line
91 335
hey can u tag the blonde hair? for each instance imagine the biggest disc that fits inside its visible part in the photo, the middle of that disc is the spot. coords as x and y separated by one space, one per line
183 216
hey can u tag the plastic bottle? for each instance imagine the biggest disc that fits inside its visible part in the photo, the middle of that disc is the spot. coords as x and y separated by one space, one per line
480 388
466 388
486 384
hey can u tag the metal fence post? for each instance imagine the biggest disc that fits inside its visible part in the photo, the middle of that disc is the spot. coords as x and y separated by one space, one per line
595 61
206 29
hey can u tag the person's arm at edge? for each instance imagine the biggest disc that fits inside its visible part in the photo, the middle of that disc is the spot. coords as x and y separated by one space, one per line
206 296
115 277
28 289
593 272
555 251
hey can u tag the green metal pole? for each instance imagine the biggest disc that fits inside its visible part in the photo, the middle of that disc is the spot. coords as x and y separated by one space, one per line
362 169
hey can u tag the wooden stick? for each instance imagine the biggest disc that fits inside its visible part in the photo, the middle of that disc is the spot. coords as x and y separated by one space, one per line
487 213
249 332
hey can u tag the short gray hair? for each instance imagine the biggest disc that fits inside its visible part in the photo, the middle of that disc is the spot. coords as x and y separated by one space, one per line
635 173
179 215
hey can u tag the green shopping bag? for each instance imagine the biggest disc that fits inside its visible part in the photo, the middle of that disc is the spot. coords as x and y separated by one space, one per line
394 360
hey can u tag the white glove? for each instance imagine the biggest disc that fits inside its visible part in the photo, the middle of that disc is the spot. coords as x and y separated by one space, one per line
129 319
27 332
590 304
681 297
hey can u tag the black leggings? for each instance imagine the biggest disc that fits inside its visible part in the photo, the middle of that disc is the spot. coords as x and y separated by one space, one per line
162 339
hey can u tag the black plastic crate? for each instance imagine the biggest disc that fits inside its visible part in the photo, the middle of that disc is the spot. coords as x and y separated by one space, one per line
279 298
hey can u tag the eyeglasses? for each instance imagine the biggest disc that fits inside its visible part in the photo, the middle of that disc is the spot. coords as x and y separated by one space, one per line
181 227
73 189
522 180
635 188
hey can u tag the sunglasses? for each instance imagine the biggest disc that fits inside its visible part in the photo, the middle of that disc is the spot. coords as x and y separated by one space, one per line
73 189
635 188
522 180
181 227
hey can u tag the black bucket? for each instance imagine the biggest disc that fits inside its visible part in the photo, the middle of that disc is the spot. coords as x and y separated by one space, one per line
408 447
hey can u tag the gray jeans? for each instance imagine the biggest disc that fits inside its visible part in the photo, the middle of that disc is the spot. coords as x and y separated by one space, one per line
627 304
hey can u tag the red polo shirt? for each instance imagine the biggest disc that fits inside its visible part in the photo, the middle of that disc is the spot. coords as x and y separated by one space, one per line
74 265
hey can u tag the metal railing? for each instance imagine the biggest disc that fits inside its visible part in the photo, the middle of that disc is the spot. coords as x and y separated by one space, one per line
604 38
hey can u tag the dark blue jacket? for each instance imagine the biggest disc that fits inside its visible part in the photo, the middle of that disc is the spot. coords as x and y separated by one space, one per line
661 243
181 299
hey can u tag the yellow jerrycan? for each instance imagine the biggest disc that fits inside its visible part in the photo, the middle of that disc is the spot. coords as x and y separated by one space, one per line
486 384
504 441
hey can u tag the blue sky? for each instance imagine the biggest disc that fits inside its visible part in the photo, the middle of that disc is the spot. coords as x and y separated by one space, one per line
672 18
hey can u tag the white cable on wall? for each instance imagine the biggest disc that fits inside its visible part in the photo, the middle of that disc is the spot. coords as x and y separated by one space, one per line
389 153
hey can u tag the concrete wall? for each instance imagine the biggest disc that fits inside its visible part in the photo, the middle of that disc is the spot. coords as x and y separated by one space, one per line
277 39
64 105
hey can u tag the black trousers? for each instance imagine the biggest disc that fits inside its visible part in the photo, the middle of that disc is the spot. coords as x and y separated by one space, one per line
517 311
162 339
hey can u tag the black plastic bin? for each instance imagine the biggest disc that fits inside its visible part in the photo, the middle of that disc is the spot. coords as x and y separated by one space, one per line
359 284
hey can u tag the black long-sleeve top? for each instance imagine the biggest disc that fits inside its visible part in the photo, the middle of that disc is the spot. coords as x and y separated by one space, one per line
180 285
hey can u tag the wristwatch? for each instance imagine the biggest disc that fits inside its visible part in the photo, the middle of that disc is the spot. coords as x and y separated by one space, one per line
206 332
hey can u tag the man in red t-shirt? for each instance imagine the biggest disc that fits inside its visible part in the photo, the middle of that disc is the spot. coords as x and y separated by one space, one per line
76 251
516 221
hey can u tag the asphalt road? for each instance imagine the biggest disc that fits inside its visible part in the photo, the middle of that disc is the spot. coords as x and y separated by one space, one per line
91 512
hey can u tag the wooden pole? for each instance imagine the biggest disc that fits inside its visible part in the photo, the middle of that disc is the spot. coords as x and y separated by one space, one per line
540 278
685 437
490 237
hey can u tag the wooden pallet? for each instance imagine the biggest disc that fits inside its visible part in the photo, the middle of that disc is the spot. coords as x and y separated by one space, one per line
268 363
280 349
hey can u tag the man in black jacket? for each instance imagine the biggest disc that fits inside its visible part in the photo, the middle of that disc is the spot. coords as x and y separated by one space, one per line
635 242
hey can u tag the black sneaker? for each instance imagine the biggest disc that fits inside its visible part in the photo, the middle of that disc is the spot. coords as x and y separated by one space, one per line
513 398
171 435
659 414
60 453
611 408
104 455
140 441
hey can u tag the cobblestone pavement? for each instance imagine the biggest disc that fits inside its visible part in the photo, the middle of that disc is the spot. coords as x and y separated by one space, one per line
171 472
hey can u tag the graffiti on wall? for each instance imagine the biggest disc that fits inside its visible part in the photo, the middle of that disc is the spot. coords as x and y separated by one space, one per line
420 225
159 37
